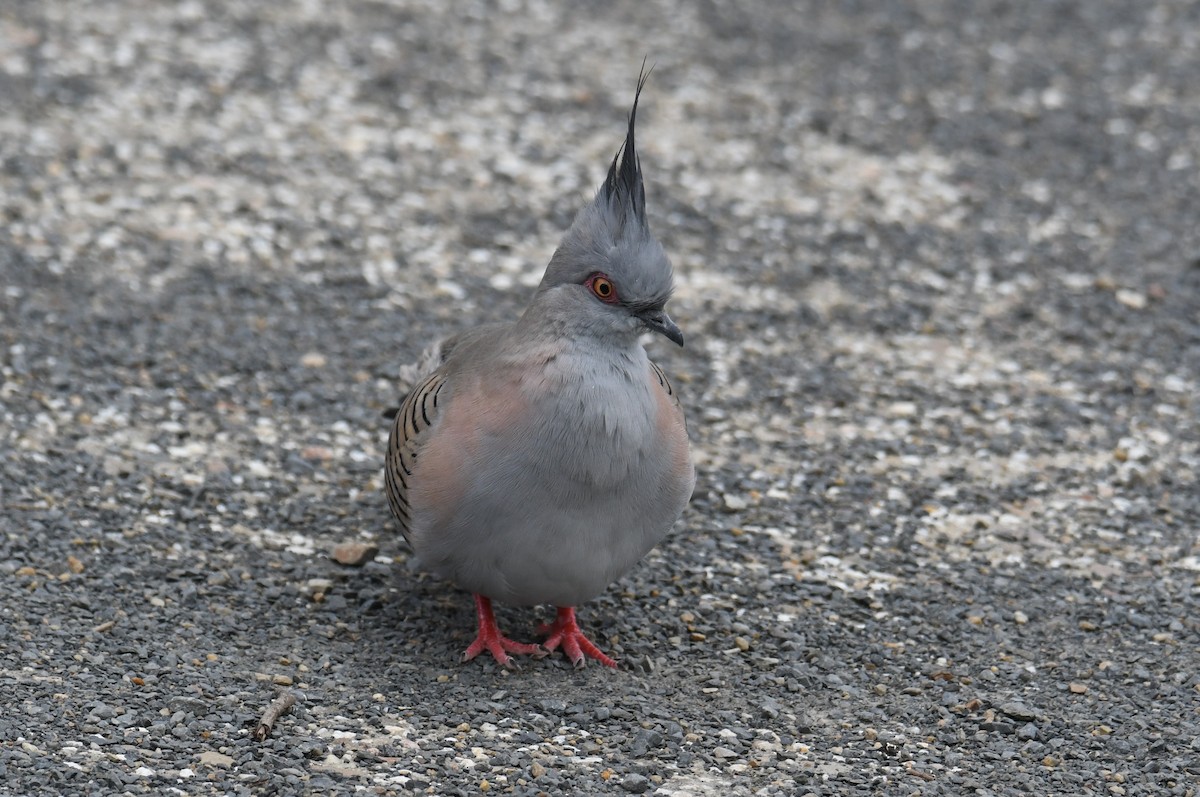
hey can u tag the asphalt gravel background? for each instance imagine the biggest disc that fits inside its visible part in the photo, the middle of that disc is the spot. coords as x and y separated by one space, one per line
938 265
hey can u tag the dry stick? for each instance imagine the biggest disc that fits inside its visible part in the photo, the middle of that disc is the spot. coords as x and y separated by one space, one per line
279 706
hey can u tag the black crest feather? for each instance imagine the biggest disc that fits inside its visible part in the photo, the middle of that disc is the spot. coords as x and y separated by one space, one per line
623 187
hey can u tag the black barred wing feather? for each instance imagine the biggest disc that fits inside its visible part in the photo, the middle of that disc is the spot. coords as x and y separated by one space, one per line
666 383
672 396
414 419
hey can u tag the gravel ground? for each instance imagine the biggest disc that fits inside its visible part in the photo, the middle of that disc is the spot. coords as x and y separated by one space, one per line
939 268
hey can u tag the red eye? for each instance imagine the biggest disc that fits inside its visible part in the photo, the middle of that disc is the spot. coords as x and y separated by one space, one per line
603 288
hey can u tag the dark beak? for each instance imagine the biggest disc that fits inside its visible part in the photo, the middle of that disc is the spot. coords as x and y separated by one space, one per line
660 322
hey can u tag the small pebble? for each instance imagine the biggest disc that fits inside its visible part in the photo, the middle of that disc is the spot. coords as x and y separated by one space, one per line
635 783
354 554
1018 711
734 503
1131 299
214 759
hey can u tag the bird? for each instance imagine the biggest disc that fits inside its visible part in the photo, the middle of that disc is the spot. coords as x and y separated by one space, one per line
538 460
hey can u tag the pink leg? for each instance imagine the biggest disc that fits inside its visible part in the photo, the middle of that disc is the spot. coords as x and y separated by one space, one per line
565 631
490 639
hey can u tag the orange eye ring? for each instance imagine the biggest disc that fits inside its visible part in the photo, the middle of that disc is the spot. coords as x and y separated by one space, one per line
602 288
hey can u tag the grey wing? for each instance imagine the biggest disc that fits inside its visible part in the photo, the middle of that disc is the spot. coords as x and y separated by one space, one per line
436 355
416 417
430 360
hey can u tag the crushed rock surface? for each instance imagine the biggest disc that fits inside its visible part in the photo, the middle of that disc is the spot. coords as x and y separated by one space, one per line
939 270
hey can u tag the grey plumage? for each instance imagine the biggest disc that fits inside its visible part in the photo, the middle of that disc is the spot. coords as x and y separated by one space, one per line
543 458
612 235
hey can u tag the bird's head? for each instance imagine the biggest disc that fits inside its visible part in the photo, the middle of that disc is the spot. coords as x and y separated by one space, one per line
609 269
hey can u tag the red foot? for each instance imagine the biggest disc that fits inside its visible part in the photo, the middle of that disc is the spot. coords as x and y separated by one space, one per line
565 631
490 639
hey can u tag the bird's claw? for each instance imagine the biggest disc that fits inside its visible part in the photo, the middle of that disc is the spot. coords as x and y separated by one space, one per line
490 639
564 632
500 647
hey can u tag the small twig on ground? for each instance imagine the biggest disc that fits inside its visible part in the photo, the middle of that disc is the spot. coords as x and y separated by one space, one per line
279 706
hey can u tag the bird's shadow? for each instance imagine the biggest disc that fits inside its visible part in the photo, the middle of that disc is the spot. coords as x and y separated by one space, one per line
424 622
